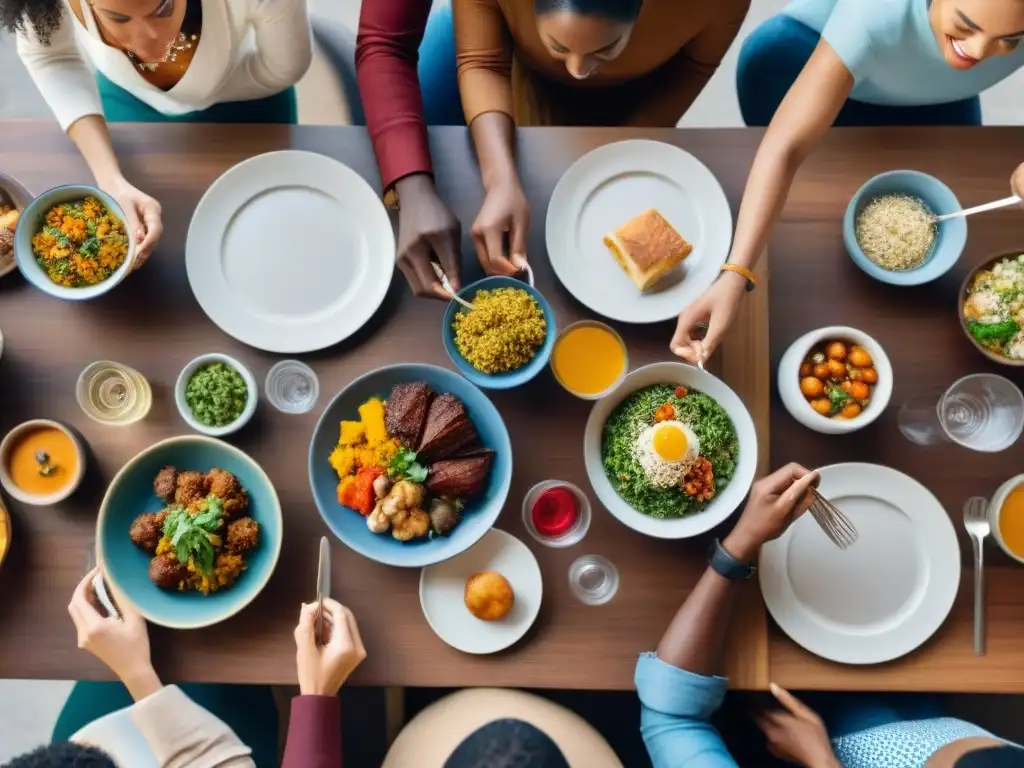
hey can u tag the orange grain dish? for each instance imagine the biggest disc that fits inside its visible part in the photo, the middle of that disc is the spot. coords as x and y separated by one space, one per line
647 248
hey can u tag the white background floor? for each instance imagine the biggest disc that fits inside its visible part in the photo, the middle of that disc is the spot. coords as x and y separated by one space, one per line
28 709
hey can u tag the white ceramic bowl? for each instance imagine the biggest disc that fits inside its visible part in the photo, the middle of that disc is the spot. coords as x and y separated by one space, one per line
27 498
798 406
724 503
995 507
186 412
15 193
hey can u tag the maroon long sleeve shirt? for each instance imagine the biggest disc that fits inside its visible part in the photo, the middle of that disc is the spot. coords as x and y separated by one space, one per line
387 52
314 733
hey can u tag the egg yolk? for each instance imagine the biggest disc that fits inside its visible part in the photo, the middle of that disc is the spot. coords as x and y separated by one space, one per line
670 443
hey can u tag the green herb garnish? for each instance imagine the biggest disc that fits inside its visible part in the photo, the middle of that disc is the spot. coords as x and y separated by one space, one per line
403 465
190 534
994 334
838 398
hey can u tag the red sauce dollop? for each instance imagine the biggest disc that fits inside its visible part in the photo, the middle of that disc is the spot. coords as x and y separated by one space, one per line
555 511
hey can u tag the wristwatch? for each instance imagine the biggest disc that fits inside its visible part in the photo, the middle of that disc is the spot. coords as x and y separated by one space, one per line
727 566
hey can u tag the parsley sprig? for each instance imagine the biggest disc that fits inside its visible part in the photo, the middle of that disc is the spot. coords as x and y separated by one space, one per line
190 534
403 466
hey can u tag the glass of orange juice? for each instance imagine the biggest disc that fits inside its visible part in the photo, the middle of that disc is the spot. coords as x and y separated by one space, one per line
589 359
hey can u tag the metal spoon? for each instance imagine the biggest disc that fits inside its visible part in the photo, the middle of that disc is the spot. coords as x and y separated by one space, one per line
995 204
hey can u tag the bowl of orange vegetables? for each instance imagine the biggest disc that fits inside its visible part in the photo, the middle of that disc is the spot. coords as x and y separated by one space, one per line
835 380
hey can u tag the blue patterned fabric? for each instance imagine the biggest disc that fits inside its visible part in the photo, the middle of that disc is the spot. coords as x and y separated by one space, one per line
907 744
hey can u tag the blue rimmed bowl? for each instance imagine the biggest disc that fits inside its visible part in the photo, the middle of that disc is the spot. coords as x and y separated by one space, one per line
510 379
131 493
479 514
950 239
31 221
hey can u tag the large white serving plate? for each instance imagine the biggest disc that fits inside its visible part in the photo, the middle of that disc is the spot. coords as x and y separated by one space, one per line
609 186
885 595
290 252
726 500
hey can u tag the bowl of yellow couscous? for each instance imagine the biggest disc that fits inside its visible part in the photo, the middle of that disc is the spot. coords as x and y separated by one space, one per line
72 243
506 339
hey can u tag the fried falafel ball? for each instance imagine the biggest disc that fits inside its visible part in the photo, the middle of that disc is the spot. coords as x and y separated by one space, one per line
147 530
225 486
165 482
243 534
166 572
190 488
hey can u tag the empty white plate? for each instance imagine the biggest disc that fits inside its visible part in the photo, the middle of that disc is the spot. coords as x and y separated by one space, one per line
886 594
443 587
609 186
290 252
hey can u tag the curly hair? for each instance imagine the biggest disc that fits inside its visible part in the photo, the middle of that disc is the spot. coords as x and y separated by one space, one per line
43 16
616 10
66 755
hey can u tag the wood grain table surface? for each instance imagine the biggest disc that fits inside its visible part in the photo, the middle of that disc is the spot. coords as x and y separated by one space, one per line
154 324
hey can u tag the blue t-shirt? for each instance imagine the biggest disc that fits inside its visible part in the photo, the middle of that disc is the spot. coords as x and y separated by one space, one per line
891 51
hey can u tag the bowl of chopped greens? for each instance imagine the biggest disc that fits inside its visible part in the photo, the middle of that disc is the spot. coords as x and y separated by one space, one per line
671 452
216 395
992 308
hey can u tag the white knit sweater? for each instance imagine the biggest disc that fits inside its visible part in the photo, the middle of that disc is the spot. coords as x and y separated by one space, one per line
248 49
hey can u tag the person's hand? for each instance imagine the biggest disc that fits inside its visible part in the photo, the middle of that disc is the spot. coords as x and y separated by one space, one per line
505 210
144 216
324 668
120 643
775 502
716 309
427 229
1017 181
796 733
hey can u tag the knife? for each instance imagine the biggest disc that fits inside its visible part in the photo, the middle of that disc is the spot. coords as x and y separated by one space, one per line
323 586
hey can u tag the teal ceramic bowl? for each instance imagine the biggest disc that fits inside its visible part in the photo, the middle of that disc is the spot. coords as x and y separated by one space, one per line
510 379
31 221
131 493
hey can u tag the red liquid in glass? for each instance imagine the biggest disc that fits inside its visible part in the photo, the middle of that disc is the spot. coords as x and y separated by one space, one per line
555 512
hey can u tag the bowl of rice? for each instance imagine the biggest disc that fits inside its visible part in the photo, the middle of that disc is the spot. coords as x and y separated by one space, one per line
889 232
506 339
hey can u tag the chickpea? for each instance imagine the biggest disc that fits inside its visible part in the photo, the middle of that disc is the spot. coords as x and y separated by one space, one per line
822 406
850 411
845 386
859 358
821 371
836 351
812 387
860 391
836 369
806 370
869 375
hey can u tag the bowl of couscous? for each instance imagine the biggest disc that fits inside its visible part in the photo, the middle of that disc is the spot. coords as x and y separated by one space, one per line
72 243
506 339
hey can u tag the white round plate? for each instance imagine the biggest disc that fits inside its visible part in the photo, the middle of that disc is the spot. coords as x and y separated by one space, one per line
885 595
609 186
443 586
726 500
290 252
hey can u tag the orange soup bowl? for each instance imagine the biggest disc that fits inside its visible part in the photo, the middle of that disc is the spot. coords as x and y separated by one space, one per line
32 479
1006 516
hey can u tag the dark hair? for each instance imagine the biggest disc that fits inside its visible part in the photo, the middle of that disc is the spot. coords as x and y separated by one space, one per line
43 16
616 10
66 755
507 743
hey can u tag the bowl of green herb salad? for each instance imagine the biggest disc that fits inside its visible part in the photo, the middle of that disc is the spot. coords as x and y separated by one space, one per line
216 395
992 308
671 452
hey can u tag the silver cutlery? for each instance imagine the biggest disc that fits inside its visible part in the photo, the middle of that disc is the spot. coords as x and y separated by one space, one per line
977 525
447 286
323 586
99 586
1001 203
834 523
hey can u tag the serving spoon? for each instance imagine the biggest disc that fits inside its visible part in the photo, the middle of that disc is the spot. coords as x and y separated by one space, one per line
994 205
447 286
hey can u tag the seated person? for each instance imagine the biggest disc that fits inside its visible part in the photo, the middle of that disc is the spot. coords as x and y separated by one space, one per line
680 690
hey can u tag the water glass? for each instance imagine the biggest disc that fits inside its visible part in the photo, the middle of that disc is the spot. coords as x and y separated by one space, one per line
983 412
112 393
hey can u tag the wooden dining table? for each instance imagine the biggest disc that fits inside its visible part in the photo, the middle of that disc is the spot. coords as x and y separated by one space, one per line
153 323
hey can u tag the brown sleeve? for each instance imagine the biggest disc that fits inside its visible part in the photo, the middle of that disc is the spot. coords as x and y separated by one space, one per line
483 53
680 80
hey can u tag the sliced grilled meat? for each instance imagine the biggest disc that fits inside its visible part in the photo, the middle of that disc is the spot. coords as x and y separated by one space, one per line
406 411
448 430
459 478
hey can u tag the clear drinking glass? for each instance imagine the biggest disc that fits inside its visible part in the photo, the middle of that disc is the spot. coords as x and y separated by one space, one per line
593 580
292 387
983 412
112 393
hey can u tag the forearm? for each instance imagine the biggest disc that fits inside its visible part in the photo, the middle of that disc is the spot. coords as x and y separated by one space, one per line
92 138
696 635
142 683
314 733
494 138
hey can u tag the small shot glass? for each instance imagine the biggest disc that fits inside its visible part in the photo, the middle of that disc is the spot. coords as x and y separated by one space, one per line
572 535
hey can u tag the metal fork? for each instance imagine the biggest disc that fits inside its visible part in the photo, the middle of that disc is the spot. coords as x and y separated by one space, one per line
977 525
834 523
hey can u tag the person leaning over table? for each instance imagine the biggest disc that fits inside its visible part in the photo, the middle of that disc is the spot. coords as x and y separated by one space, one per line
393 36
574 62
228 61
680 690
142 722
847 63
